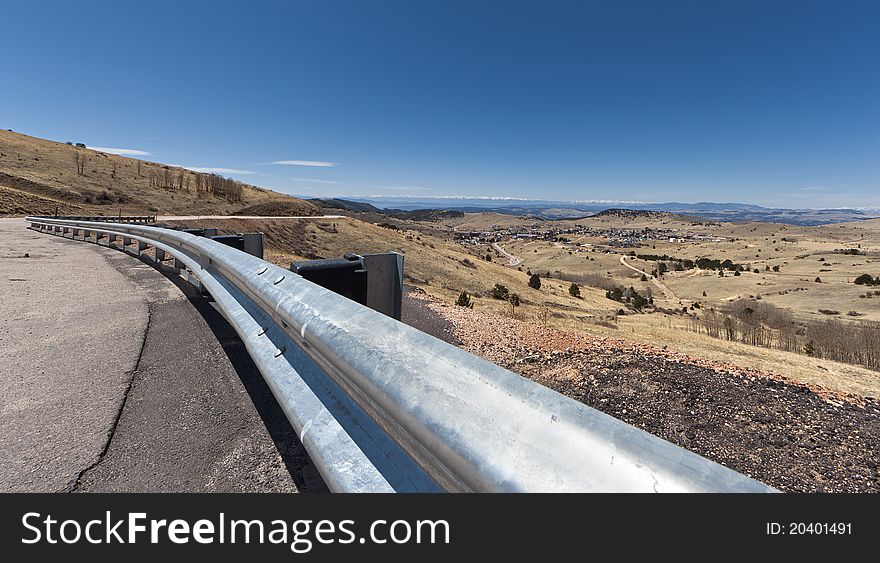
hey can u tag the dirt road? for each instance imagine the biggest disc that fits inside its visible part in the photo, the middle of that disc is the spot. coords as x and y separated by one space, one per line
670 295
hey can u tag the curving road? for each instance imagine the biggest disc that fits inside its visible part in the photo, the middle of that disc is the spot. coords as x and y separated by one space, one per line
512 260
114 377
670 295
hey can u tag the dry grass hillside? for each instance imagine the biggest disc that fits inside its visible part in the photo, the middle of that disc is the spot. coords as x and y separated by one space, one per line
39 177
443 269
490 220
440 267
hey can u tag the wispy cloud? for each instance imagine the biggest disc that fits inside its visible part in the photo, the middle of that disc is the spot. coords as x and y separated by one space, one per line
121 152
315 181
317 163
213 170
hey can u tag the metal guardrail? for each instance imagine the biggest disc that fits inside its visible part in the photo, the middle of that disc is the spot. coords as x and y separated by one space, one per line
145 219
383 407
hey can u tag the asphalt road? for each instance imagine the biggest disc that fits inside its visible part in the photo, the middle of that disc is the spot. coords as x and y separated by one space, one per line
512 260
114 377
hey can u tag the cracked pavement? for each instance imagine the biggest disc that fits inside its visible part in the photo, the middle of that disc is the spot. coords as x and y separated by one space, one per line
114 377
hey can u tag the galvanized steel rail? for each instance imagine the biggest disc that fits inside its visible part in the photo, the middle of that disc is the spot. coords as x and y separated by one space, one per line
383 407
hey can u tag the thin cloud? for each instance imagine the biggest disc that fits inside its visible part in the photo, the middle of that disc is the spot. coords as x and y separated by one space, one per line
316 163
814 189
121 152
213 170
315 181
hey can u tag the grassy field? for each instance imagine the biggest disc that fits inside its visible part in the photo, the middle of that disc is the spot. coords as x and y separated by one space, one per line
39 176
805 254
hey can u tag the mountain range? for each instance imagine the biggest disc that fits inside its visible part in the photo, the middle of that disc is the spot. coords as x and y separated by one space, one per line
547 209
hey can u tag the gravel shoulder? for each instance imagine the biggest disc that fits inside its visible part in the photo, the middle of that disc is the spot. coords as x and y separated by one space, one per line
795 437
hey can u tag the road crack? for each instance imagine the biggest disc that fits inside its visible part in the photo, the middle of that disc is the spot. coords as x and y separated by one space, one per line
74 485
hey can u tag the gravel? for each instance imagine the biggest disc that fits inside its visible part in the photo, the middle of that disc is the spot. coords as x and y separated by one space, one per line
796 437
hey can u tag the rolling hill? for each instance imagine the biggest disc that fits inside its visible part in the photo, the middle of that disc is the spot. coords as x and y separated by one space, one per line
38 176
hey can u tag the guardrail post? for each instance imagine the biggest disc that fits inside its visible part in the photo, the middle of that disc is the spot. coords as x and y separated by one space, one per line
160 256
141 246
385 282
253 244
75 233
110 239
126 241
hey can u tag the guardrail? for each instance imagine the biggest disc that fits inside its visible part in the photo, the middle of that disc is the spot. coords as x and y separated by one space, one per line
383 407
106 219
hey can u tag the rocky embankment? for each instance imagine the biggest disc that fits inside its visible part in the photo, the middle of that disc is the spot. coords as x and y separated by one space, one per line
795 437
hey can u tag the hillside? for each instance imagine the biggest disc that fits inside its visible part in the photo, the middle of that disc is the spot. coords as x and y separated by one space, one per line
794 436
620 213
41 177
440 267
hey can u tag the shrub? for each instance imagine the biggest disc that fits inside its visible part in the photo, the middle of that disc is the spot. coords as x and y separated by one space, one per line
818 279
535 281
500 292
638 301
776 268
464 300
574 290
809 348
866 279
644 278
514 302
736 273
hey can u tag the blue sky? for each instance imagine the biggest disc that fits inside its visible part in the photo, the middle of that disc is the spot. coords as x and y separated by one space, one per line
769 102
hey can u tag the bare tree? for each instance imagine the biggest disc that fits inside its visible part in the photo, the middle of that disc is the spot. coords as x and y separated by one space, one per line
80 160
514 303
544 315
